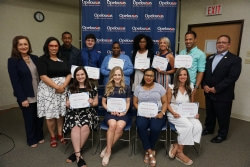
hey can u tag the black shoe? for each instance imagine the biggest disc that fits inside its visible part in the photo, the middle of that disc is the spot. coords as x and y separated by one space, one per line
206 132
71 158
81 162
218 139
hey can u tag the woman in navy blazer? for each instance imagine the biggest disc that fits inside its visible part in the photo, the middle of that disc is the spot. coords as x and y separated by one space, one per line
24 79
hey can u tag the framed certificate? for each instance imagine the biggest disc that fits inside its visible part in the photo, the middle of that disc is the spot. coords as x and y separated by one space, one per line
113 62
93 72
73 68
186 109
147 109
79 100
183 61
116 104
142 63
160 62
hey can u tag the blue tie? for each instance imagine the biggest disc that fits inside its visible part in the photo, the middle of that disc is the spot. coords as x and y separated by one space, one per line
216 60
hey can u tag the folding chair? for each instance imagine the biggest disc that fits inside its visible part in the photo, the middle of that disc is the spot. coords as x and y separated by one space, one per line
174 130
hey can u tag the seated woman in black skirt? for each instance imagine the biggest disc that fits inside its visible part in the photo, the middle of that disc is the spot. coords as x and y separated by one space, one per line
116 121
79 120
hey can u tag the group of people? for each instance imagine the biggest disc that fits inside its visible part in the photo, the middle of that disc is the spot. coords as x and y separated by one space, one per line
43 87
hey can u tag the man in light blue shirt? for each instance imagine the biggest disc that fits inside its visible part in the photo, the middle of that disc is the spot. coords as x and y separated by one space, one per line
196 72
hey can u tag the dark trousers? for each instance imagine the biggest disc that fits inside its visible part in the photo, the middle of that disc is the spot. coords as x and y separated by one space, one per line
33 124
149 137
221 111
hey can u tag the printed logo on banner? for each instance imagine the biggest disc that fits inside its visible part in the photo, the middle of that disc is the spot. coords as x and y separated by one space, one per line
91 3
128 16
104 41
116 29
156 41
141 29
141 3
167 4
91 28
165 29
154 16
102 16
112 3
125 41
109 52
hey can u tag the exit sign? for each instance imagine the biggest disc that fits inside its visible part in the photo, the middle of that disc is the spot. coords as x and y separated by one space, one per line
213 10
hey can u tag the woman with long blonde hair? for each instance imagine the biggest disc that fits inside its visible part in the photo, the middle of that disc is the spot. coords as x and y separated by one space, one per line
116 120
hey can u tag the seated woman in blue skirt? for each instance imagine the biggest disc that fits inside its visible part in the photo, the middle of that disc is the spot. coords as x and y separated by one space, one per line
116 121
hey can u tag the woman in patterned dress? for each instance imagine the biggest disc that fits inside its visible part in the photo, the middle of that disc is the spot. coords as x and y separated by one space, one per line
51 97
79 121
163 77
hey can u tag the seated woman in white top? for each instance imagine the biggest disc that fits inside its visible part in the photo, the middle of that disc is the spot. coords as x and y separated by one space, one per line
188 129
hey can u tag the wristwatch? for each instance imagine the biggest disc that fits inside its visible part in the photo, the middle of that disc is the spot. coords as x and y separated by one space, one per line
196 86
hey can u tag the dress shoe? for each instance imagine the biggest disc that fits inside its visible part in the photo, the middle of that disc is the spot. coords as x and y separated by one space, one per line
206 132
218 139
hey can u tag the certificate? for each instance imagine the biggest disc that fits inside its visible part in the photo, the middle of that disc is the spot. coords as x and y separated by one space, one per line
73 68
113 62
92 72
183 61
142 63
146 109
79 100
160 62
186 109
116 104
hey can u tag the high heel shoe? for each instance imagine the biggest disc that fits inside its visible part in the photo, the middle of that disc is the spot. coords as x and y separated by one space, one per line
61 139
105 160
103 152
53 142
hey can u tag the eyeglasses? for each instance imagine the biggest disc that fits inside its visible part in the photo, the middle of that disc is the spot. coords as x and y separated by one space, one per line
151 76
222 43
53 46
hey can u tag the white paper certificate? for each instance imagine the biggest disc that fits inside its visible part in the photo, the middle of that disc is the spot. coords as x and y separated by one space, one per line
160 62
186 109
92 72
113 62
116 104
146 109
183 61
142 63
73 68
79 100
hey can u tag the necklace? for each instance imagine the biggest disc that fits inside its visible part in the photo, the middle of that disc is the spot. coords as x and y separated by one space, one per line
26 59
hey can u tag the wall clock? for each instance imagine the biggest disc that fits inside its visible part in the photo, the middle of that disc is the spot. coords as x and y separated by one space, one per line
39 16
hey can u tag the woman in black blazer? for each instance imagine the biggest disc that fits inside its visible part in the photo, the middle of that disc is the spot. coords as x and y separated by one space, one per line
24 79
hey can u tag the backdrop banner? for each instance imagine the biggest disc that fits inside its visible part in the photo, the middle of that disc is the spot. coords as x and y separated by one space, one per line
122 20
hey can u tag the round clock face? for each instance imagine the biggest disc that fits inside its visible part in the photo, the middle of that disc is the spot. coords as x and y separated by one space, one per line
39 16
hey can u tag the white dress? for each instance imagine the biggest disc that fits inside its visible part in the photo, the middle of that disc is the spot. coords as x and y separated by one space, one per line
189 129
138 74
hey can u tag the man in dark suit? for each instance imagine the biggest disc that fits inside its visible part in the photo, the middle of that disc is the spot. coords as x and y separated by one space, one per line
221 72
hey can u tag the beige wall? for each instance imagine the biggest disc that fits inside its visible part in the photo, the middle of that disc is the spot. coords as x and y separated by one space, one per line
16 18
193 12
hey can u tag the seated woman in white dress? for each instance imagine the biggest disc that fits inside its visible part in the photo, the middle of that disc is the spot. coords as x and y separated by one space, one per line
188 129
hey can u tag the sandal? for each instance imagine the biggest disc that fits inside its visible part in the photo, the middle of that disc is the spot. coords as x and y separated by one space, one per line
103 152
81 162
41 141
190 162
152 161
105 160
146 158
71 158
53 142
61 139
170 154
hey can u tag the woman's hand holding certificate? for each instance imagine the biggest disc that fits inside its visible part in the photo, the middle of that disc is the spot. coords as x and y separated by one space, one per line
146 109
186 109
79 100
160 62
142 63
116 104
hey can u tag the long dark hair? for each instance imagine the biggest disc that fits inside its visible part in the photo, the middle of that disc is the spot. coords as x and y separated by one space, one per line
46 46
149 69
74 87
177 83
14 52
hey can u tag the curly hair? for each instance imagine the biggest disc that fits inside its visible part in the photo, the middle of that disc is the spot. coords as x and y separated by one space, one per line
177 83
74 87
111 83
14 52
